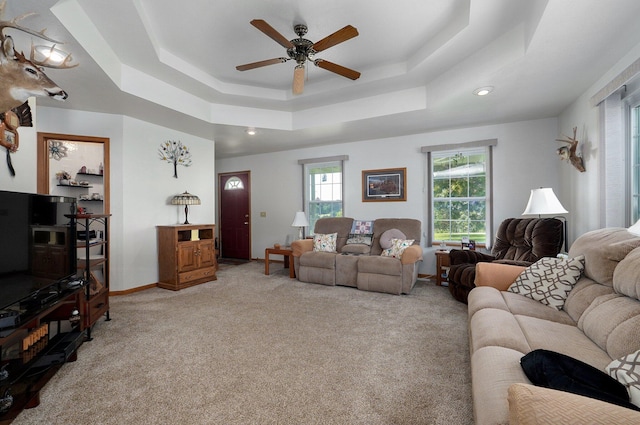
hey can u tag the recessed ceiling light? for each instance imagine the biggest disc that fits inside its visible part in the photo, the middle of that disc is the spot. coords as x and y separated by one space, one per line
483 91
251 131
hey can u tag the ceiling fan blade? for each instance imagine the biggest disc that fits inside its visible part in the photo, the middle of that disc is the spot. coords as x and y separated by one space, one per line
298 79
337 37
271 32
260 64
338 69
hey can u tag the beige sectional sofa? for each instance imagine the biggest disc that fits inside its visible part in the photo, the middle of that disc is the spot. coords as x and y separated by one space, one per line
600 321
360 265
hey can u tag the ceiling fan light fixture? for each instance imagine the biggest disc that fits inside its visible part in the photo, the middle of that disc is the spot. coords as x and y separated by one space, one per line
298 79
483 91
251 131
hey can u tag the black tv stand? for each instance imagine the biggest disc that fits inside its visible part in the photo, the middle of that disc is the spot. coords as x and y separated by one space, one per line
47 335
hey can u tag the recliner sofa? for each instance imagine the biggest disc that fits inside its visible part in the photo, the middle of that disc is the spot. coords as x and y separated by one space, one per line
359 265
519 241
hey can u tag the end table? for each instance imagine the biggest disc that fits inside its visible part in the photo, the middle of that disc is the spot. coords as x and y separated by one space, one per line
285 251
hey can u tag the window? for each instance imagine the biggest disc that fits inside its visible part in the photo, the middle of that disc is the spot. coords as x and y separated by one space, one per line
634 164
234 183
459 200
323 191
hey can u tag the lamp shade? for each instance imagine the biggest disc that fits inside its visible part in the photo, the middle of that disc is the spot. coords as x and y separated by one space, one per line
300 220
543 201
635 229
185 198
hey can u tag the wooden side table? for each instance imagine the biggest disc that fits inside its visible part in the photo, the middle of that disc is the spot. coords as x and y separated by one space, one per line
442 266
285 251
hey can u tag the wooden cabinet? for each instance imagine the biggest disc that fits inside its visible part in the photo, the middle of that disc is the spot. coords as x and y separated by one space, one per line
186 255
92 232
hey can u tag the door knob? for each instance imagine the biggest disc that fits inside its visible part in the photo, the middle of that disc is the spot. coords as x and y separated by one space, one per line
246 222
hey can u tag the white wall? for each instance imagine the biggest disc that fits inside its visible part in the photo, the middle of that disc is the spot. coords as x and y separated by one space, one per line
140 183
523 159
586 191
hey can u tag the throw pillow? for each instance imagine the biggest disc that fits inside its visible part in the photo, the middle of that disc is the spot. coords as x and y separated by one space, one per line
397 248
560 372
626 370
362 227
364 238
388 235
325 243
549 280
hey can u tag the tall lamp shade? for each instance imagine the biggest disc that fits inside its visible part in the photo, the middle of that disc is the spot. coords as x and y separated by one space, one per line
300 221
185 199
544 201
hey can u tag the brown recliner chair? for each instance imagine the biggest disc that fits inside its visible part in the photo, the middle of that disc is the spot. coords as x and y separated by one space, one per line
519 241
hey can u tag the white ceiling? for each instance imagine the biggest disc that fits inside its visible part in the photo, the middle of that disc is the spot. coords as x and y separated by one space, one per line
173 63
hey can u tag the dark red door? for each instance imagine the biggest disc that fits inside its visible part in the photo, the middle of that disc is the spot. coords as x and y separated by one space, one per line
235 215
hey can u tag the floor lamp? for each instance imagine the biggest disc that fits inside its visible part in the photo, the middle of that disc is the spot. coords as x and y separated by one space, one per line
544 201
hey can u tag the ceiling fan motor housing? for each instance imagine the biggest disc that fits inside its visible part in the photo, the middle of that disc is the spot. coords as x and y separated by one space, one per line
302 48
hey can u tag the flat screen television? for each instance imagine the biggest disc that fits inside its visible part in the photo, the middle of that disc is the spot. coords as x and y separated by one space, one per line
37 245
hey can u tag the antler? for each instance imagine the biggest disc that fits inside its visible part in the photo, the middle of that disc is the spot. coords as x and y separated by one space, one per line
14 24
64 64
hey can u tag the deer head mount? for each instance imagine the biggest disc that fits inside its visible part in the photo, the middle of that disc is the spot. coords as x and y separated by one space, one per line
568 152
21 78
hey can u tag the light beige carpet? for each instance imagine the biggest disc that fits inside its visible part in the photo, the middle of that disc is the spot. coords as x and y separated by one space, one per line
256 349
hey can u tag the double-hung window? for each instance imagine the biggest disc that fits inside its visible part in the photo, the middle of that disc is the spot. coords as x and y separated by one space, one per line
323 188
634 163
460 192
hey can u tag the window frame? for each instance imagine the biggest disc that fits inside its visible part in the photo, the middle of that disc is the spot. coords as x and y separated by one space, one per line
307 165
453 149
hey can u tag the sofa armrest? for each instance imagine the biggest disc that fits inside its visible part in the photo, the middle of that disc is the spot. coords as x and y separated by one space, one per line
411 255
301 246
532 405
467 256
498 275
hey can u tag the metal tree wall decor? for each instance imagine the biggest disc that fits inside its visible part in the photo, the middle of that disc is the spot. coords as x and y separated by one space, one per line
174 152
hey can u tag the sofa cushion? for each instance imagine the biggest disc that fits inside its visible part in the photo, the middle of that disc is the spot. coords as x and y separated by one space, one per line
626 370
356 249
602 251
412 229
489 297
613 322
398 246
325 242
626 277
582 295
549 280
388 236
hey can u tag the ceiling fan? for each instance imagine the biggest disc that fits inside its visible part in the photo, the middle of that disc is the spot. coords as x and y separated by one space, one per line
301 50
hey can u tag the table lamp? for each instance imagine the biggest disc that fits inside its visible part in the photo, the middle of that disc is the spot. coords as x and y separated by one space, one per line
300 221
185 199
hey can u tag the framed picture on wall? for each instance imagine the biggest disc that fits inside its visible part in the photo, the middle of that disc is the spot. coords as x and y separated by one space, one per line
384 185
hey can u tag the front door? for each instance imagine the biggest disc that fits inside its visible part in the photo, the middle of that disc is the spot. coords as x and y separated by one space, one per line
235 215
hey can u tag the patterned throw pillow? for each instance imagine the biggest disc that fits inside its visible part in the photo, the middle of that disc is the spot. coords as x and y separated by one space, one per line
626 370
362 227
325 243
549 280
360 238
397 248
